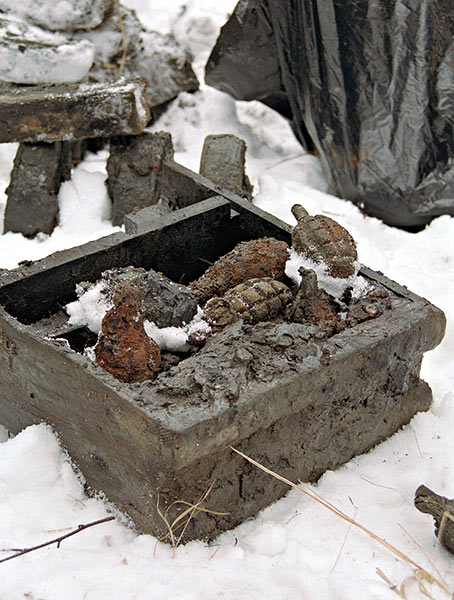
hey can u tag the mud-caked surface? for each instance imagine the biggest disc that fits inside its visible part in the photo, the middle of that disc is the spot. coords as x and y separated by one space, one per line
236 357
134 171
38 171
223 162
164 302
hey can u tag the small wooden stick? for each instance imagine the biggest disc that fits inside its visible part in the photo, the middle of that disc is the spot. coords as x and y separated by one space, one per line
123 39
58 540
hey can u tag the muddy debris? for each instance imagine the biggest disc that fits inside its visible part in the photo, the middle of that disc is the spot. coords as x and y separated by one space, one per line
313 305
367 307
253 301
323 240
265 257
237 356
124 349
442 510
164 302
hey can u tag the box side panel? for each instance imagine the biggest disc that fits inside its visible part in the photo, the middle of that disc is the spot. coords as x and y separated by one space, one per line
325 435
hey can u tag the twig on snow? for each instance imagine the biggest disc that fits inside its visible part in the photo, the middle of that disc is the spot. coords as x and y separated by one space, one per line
57 540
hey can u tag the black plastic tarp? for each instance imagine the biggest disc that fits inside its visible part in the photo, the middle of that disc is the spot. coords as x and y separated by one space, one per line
368 84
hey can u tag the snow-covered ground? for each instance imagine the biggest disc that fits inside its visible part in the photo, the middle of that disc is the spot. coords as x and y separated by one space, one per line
294 549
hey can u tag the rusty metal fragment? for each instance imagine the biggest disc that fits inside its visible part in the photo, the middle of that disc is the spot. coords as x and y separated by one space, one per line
314 306
367 307
72 112
323 240
124 349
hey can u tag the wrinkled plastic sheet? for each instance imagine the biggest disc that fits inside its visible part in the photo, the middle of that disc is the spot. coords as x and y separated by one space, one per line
367 84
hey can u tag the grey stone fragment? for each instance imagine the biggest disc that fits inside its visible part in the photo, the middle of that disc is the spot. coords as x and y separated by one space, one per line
223 163
109 41
72 112
134 171
165 303
38 170
57 15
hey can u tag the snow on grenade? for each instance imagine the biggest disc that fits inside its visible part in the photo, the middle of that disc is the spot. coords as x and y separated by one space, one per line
299 401
324 240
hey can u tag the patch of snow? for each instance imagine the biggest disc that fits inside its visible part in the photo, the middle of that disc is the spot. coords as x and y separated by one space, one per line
90 307
174 339
334 286
59 14
31 55
84 215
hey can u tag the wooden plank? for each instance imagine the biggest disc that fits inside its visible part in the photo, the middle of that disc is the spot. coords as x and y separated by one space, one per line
71 112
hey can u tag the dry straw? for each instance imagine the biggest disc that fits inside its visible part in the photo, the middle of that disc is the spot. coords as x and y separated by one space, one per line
182 521
421 575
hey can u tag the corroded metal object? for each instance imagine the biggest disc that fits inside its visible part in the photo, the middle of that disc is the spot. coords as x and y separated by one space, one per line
323 240
124 349
442 510
265 257
367 307
314 306
253 301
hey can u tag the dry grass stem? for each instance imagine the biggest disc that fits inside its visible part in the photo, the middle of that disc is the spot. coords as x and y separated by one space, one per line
446 515
421 572
417 443
181 522
342 546
421 549
286 159
386 487
392 586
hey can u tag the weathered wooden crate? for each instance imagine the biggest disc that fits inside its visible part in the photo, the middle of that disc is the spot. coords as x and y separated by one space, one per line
306 405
